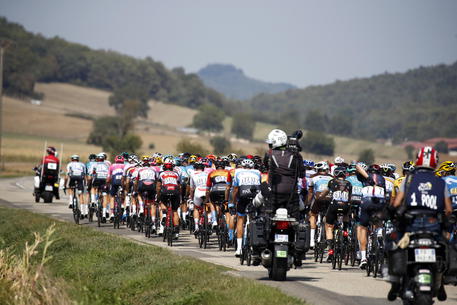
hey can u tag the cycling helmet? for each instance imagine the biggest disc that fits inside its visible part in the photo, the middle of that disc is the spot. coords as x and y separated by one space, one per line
51 150
446 168
232 157
362 165
339 160
276 138
408 166
386 170
211 157
225 159
119 159
219 163
321 166
92 157
158 160
104 155
100 157
178 161
133 159
168 166
427 157
192 159
125 155
74 158
340 171
351 169
374 168
308 163
199 166
392 167
248 163
250 157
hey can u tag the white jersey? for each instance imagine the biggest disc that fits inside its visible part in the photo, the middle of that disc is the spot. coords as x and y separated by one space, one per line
145 174
76 169
100 170
198 181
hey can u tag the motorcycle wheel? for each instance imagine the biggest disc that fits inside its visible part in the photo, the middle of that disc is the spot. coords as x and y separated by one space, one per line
37 196
47 197
279 269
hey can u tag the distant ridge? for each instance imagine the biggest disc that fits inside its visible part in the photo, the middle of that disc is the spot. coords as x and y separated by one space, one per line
233 83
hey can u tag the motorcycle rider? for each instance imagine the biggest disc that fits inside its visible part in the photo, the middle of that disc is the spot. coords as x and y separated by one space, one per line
49 170
421 190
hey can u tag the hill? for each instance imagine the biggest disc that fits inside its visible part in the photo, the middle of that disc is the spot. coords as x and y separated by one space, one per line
416 105
234 84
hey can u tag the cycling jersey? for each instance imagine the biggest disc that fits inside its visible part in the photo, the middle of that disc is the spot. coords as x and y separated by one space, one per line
356 188
397 184
198 180
76 169
341 190
89 165
245 179
217 184
116 172
390 184
100 170
170 180
451 183
374 191
319 182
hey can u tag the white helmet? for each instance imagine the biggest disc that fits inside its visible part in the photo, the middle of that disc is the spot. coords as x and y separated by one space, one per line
247 163
277 138
321 166
339 160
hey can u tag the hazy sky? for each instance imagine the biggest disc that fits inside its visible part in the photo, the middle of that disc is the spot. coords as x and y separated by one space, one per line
301 42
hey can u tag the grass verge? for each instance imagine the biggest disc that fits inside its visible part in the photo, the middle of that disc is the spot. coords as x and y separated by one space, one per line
100 268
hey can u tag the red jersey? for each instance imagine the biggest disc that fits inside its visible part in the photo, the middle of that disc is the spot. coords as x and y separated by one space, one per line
170 180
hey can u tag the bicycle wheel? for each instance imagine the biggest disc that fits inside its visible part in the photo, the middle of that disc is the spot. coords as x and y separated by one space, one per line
99 215
170 227
248 248
76 212
205 231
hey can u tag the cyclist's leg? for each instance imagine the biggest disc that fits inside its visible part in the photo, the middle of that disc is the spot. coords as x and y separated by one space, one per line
313 214
198 202
82 202
241 216
175 203
362 230
330 218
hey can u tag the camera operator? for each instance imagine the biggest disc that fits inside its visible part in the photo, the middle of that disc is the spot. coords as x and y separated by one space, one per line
285 167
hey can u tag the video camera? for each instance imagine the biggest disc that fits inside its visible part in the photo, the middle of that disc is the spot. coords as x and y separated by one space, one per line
293 143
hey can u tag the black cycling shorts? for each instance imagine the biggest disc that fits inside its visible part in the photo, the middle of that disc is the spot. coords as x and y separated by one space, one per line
113 190
319 206
243 203
100 183
171 196
147 191
77 181
369 207
333 210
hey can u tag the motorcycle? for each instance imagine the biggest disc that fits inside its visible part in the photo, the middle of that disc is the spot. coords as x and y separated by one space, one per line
46 185
417 270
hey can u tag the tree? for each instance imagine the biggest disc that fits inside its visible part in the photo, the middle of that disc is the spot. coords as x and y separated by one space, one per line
367 156
130 92
115 144
209 118
409 151
220 144
186 145
442 147
318 143
243 126
102 128
316 121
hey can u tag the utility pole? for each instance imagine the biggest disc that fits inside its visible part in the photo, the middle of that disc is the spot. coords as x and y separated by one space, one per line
4 43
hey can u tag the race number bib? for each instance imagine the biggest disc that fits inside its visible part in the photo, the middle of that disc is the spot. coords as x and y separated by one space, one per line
147 175
340 196
373 191
170 180
52 166
357 190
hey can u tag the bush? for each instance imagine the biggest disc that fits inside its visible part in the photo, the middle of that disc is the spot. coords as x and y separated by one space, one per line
442 147
116 144
409 151
243 126
220 145
186 145
151 146
318 143
367 156
209 118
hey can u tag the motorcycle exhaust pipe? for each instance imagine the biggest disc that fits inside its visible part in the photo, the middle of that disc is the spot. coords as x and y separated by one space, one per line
266 257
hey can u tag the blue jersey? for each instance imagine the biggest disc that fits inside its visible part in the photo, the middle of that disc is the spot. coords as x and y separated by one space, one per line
357 187
246 179
89 167
451 184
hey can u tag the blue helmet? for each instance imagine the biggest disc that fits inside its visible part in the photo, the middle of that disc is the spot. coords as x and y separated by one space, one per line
308 163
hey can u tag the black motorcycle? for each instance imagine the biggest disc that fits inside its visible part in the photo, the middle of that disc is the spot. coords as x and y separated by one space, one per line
418 269
46 184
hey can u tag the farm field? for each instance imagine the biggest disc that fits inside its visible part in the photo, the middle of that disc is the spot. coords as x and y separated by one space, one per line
64 117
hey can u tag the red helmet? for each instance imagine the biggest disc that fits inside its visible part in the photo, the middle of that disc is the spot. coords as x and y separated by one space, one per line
51 150
427 157
168 166
211 157
119 159
250 157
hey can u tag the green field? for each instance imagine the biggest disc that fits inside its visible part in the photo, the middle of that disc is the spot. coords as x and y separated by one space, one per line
99 268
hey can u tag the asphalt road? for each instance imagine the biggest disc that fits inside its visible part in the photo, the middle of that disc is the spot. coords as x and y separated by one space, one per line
313 282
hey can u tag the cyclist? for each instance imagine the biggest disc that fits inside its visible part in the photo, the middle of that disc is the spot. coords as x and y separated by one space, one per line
145 185
373 200
75 173
91 161
99 174
422 191
218 186
245 179
447 171
390 181
356 197
317 184
168 184
197 190
341 190
129 170
115 180
408 167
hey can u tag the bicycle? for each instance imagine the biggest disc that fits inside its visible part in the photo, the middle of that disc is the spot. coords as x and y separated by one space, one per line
375 246
353 245
146 224
339 241
203 230
169 228
75 203
320 243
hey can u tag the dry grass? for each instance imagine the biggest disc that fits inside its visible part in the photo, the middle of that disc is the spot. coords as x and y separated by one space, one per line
25 283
